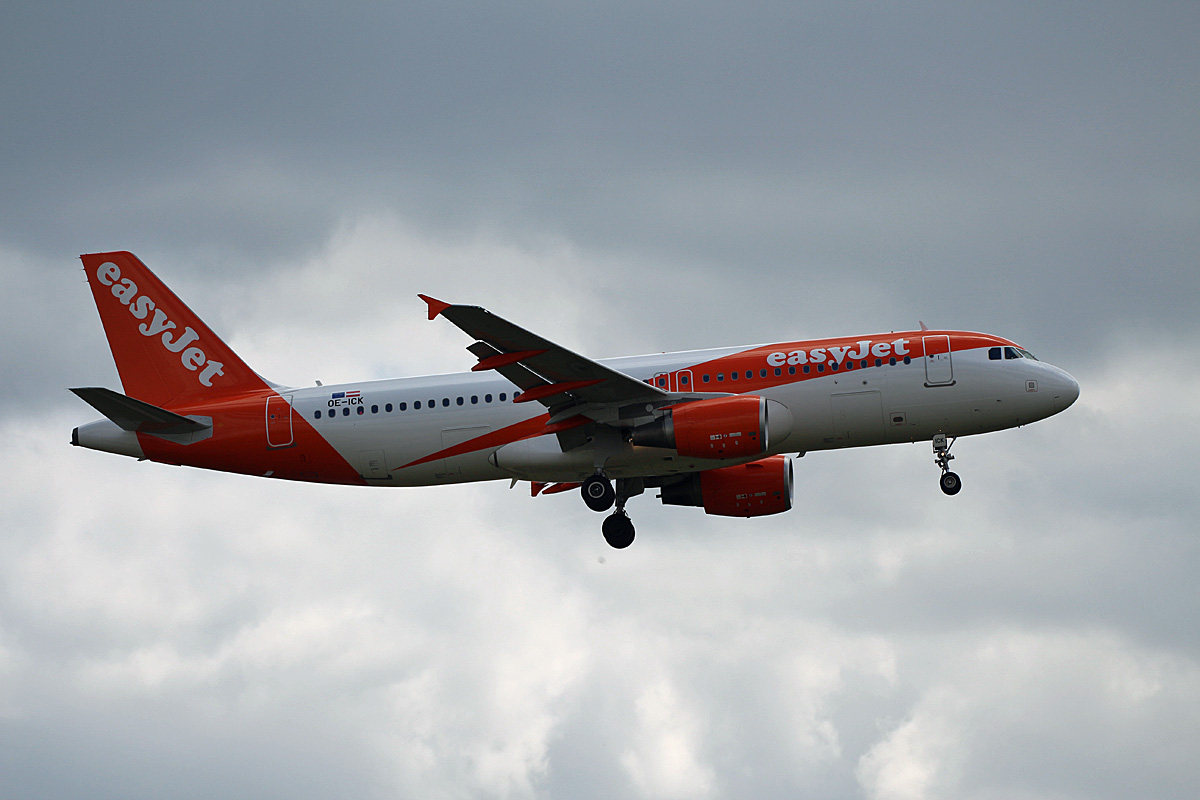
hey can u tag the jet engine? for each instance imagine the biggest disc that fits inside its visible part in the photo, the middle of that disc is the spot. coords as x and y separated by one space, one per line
723 427
746 490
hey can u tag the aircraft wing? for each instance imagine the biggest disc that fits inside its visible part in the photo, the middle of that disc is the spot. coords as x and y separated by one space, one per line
544 371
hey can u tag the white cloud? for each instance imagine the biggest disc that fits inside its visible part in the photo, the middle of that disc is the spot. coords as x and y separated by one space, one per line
918 760
662 760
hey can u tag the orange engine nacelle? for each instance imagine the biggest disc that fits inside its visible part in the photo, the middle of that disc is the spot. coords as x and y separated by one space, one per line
724 427
747 490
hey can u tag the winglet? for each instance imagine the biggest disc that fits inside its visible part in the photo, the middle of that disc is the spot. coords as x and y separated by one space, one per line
435 306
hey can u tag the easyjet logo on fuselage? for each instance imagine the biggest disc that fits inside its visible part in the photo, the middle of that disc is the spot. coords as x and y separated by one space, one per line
140 306
835 355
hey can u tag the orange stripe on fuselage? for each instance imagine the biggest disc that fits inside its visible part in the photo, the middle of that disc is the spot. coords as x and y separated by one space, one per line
527 429
820 355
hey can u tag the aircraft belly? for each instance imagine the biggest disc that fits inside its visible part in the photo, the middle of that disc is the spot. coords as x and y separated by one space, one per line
540 459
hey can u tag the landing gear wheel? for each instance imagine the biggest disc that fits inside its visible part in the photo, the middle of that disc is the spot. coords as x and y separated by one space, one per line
618 530
951 484
598 493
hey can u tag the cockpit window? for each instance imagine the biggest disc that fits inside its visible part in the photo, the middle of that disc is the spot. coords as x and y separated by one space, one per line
1011 352
996 353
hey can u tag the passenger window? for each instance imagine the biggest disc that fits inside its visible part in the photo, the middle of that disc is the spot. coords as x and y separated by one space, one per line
733 376
474 399
417 405
361 410
374 409
318 414
705 379
683 379
908 359
791 370
487 398
388 408
346 411
807 369
502 396
445 402
820 367
778 371
720 377
459 401
892 361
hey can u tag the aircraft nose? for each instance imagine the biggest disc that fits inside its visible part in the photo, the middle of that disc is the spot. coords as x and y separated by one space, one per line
1066 391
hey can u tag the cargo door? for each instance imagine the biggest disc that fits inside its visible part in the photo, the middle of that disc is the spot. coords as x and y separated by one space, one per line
452 438
858 417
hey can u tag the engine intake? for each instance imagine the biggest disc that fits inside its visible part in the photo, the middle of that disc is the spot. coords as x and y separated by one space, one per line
746 490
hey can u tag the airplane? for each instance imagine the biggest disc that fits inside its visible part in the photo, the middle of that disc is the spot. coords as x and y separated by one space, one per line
706 428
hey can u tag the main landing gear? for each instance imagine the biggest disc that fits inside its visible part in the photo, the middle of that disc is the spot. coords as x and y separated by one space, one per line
599 495
950 482
618 529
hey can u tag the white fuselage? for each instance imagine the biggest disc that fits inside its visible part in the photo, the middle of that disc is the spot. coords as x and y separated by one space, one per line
856 408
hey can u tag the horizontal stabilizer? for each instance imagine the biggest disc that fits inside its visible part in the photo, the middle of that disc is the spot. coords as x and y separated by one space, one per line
135 416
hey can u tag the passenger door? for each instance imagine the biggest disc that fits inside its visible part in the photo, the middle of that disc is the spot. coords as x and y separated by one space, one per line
939 371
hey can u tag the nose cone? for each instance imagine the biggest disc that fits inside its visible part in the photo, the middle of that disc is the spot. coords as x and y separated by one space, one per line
1066 391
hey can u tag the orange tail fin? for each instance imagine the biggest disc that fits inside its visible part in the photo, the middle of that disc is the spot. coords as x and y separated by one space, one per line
164 353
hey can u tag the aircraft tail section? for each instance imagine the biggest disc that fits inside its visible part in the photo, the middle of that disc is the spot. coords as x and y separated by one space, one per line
135 416
163 351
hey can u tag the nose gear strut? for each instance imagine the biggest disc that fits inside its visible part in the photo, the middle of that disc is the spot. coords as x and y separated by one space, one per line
950 482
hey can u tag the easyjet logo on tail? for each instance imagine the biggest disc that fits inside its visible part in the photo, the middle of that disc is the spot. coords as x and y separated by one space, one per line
140 306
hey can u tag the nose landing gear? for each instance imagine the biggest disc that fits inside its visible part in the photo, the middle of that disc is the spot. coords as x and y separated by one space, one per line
950 482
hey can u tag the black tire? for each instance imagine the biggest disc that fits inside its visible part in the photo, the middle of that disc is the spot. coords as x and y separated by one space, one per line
618 531
598 493
950 483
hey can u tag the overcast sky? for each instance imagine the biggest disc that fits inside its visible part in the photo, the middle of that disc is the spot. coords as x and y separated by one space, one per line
622 178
